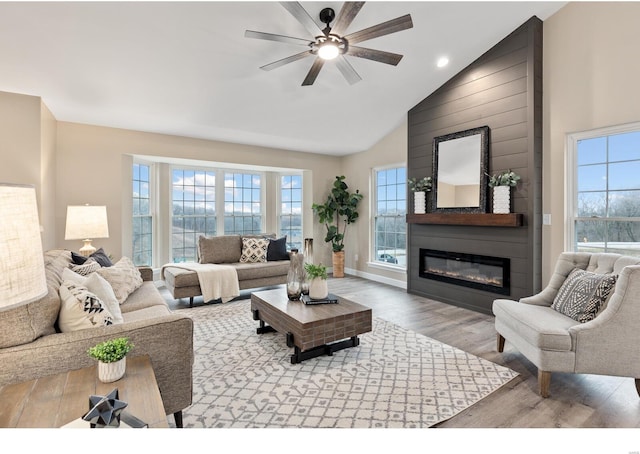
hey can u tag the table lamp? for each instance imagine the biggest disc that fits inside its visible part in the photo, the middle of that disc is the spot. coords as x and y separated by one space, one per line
22 278
86 222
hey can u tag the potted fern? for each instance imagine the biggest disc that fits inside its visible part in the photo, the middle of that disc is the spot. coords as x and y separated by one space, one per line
112 358
502 184
318 288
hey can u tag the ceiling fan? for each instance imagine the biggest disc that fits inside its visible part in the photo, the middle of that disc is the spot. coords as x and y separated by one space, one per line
331 43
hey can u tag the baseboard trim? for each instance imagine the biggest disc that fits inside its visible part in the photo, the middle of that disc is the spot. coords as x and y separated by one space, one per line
377 278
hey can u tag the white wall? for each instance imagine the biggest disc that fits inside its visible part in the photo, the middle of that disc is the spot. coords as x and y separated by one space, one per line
590 80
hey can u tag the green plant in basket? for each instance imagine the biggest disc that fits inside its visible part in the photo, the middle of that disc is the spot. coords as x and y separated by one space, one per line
112 350
314 271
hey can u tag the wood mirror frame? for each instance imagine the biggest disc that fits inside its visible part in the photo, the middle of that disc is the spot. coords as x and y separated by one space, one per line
461 157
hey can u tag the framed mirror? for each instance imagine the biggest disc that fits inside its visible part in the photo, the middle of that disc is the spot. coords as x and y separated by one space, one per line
460 163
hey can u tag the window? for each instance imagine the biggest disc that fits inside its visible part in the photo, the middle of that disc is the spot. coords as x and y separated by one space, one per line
193 212
390 208
291 210
604 205
142 217
242 203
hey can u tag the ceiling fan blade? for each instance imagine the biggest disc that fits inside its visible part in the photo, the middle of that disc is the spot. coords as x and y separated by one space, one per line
313 72
284 61
278 38
347 70
345 17
385 28
303 17
376 55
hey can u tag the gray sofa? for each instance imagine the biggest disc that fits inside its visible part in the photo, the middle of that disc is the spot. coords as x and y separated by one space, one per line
31 345
227 249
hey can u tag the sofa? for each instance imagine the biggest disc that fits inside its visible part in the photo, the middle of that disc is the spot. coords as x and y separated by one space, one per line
585 321
33 345
266 267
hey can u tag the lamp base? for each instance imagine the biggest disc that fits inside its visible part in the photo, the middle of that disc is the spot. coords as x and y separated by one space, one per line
87 249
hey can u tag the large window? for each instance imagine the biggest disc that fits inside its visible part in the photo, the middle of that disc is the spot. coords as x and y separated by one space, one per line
291 210
193 212
604 207
142 216
242 203
390 208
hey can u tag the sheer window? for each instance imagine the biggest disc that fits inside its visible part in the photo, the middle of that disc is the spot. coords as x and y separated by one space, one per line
605 191
242 203
390 208
142 217
193 212
291 210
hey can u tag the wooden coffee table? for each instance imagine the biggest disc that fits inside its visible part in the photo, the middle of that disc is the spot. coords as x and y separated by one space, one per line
59 399
312 330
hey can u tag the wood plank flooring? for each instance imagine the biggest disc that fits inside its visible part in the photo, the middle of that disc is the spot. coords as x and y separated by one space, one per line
587 401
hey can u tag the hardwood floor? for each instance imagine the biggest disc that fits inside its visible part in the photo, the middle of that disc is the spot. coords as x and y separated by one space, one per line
589 401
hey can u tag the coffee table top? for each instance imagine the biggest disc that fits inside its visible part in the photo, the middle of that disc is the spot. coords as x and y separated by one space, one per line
305 313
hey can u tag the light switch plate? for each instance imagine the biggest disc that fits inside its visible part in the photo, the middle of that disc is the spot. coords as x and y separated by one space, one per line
546 219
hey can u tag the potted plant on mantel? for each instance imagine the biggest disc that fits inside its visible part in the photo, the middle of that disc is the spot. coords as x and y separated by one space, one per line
318 288
112 357
420 188
502 184
336 213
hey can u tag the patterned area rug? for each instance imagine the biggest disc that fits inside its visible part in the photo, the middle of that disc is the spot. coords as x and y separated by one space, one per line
394 378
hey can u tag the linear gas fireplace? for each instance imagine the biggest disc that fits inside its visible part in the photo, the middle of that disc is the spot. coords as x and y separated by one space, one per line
469 270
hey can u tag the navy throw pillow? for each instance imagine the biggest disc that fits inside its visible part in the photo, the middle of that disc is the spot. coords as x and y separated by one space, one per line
277 249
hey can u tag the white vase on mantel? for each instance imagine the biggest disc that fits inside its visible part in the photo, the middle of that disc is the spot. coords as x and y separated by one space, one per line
419 202
501 199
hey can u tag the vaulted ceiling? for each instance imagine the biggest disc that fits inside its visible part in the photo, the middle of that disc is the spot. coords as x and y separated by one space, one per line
186 68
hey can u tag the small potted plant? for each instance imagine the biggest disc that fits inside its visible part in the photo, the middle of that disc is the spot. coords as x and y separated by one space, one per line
111 356
420 188
318 288
502 184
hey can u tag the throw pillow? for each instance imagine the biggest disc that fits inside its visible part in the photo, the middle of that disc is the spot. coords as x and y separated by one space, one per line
219 249
99 256
81 309
123 277
102 289
583 293
86 268
254 250
277 249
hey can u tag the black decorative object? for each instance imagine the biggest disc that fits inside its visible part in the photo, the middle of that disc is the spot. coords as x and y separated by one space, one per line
104 411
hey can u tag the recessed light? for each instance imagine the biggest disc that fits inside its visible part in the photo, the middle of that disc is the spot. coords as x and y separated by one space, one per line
442 62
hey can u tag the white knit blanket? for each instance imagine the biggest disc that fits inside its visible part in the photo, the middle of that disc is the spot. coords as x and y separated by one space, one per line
216 281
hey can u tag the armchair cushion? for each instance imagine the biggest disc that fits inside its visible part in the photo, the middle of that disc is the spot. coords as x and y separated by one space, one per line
583 293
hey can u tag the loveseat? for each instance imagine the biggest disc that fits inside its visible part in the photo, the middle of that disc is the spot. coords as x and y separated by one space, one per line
33 346
266 268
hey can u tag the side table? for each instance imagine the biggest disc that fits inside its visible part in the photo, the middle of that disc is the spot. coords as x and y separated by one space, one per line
56 400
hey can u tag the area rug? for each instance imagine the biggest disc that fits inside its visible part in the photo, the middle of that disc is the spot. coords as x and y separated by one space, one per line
395 378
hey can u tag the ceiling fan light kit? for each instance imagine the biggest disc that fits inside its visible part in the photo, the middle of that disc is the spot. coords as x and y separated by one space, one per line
331 43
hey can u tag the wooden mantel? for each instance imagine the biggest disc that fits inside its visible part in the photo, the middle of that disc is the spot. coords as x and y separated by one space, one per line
475 219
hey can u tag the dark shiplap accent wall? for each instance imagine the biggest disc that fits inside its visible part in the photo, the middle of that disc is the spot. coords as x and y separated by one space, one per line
503 90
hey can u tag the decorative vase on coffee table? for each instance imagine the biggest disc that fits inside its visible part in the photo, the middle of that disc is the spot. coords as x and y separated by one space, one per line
110 372
318 288
419 202
501 199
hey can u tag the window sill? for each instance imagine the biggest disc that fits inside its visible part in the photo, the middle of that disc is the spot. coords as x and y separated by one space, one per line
388 267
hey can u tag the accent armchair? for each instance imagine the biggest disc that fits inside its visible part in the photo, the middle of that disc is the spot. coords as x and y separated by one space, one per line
584 323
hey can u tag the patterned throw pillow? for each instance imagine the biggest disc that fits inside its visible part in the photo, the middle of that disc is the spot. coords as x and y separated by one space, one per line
86 268
583 293
254 250
81 309
124 278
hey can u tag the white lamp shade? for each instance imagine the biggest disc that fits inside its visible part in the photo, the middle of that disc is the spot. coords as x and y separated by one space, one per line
22 277
86 222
